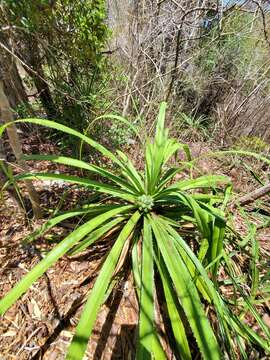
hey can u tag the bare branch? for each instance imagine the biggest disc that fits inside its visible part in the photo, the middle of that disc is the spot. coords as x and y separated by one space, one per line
254 195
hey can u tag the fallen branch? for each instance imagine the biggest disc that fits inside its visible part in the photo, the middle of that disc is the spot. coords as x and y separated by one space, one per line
254 195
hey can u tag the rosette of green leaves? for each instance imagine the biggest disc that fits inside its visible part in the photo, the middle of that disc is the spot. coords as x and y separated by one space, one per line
145 214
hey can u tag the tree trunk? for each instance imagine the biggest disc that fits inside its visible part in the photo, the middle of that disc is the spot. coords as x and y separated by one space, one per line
15 144
13 85
34 61
3 179
14 88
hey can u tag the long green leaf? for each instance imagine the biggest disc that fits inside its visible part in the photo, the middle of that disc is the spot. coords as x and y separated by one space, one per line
94 209
155 153
216 244
211 224
67 130
168 176
172 303
189 264
206 181
95 235
223 312
160 123
96 298
248 304
254 268
55 254
130 172
95 185
148 340
187 294
136 266
83 165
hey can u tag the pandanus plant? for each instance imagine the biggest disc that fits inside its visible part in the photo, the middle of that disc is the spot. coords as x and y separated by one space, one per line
146 217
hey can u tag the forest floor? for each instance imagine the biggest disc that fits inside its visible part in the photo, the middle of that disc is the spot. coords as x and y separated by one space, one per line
41 324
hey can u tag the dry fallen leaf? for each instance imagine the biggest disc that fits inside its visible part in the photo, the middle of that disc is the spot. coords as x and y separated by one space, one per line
36 311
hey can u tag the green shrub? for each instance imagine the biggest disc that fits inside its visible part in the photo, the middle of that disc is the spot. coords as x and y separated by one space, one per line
146 215
66 40
192 127
252 143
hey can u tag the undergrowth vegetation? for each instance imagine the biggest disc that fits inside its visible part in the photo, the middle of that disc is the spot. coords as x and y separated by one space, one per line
173 235
61 45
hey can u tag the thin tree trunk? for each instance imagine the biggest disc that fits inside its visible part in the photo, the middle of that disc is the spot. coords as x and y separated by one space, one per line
35 62
14 88
13 84
15 144
3 179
